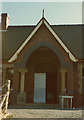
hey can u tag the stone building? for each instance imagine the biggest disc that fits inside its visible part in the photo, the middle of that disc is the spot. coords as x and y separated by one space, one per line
42 61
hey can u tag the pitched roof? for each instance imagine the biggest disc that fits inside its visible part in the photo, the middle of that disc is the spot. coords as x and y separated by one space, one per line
71 35
13 38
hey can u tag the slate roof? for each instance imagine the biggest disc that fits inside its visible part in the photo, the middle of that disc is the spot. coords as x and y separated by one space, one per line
71 35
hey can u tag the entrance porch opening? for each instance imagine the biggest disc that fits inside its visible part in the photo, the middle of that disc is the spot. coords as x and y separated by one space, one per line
43 82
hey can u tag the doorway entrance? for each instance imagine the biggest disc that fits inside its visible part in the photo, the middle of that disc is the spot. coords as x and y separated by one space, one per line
42 82
39 87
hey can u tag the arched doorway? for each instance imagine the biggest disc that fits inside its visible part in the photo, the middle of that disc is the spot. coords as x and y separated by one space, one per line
42 82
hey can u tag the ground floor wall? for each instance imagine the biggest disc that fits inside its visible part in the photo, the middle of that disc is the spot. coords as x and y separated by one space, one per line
72 83
56 88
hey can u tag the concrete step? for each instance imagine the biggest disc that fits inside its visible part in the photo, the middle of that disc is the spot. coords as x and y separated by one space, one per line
37 105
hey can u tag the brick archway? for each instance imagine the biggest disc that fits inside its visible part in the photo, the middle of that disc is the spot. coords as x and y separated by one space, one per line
43 60
61 57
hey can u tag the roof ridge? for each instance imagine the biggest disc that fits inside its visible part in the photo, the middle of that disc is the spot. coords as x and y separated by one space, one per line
67 25
20 25
50 25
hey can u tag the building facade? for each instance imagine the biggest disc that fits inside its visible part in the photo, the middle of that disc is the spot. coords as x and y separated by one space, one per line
43 62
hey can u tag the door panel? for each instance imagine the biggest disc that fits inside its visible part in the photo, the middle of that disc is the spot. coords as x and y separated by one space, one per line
39 87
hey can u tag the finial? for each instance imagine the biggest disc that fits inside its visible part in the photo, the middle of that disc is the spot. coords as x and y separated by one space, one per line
43 13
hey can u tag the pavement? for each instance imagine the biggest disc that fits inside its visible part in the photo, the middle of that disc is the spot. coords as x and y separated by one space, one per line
44 113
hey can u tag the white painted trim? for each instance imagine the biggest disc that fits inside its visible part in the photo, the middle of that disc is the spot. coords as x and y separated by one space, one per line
60 42
14 57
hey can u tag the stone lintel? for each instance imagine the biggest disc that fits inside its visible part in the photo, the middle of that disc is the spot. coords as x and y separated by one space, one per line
4 66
